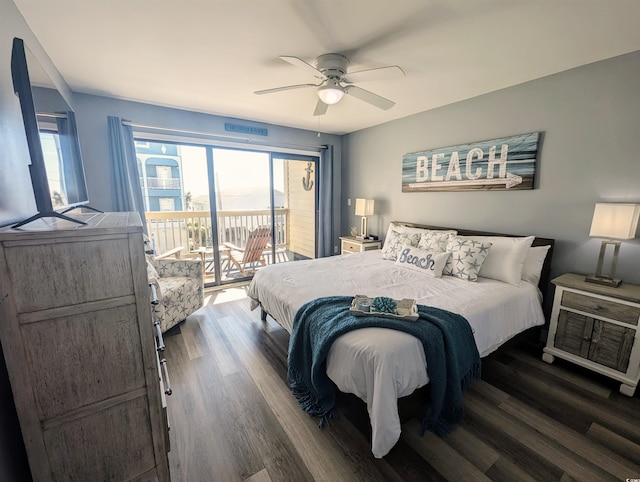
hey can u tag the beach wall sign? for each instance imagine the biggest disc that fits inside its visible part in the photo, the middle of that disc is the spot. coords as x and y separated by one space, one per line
497 164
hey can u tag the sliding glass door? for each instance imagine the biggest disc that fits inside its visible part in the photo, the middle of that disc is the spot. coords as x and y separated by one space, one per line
236 209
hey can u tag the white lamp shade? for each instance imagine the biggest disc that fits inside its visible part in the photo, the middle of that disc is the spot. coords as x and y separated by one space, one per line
364 207
616 221
331 93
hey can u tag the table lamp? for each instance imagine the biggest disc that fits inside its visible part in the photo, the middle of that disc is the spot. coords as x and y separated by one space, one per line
364 208
613 222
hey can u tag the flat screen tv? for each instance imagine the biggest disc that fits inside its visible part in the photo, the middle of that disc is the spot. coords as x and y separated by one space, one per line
56 169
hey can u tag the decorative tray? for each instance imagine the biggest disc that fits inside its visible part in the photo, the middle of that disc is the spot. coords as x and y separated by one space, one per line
406 309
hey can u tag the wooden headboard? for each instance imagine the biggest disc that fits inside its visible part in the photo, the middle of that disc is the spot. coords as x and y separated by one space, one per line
543 285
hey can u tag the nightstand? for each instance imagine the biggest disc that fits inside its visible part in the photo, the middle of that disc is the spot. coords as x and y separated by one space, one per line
349 244
596 327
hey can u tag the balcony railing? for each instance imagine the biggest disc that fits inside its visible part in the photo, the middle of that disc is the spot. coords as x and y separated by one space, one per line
192 229
161 183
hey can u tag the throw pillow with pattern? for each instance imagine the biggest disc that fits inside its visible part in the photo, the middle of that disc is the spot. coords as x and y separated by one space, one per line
467 256
394 242
435 240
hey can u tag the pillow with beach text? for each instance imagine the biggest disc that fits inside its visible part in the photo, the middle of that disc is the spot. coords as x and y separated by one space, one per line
426 261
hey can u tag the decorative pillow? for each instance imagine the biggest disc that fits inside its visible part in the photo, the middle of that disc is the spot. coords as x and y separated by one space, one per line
394 242
467 256
435 240
423 260
506 258
404 229
533 263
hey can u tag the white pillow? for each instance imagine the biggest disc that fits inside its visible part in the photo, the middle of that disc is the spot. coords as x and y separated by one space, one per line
394 241
467 257
426 261
506 258
435 239
533 263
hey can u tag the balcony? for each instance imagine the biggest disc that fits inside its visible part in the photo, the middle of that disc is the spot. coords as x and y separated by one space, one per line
192 231
161 183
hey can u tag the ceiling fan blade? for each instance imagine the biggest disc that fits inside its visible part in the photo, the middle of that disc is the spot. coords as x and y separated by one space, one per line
321 108
381 73
302 64
369 97
287 87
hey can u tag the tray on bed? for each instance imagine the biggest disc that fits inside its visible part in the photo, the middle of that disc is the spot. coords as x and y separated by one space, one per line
406 309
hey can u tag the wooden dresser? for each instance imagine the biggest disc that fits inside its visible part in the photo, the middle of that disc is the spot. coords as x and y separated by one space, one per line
79 346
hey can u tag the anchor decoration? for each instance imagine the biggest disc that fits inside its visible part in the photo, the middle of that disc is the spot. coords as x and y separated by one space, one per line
307 183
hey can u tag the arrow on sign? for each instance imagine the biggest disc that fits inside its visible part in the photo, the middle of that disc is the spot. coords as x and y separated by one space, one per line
509 181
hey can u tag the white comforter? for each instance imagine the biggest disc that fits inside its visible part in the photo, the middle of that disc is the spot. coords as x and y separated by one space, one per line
380 365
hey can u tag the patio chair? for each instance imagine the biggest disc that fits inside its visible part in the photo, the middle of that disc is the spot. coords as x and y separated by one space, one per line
245 259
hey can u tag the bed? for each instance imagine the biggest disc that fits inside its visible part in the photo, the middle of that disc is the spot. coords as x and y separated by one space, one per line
379 365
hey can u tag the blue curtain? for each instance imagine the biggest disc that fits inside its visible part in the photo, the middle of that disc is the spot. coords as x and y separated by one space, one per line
325 203
127 194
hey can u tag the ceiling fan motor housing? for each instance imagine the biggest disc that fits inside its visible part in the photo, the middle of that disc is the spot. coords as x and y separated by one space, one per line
332 65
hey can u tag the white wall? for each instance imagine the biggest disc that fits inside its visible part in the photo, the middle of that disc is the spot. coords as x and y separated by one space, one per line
590 117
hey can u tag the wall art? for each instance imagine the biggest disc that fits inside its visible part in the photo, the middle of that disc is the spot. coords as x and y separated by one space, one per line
497 164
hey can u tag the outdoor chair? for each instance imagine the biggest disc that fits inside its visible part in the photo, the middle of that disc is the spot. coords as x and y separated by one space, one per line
247 258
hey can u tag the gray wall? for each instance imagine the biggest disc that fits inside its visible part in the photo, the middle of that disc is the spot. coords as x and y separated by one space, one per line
590 117
92 112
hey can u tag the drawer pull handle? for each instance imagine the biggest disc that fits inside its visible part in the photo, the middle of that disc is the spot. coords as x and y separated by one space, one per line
159 338
165 377
154 294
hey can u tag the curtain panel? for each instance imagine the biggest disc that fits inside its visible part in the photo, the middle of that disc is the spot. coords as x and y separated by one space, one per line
127 195
325 203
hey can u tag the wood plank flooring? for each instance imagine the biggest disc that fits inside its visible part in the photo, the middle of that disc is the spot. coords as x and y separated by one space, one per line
233 418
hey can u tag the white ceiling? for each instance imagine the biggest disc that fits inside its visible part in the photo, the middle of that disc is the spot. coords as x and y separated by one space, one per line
211 55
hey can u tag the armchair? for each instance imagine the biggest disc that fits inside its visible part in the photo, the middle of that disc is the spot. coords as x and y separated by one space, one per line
180 288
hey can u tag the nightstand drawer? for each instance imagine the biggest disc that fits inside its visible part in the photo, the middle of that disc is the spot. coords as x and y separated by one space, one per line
349 247
604 308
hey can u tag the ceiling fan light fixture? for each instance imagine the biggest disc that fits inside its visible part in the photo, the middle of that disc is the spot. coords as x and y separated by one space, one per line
331 92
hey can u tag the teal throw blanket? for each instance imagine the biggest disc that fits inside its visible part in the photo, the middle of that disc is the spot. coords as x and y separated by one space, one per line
452 357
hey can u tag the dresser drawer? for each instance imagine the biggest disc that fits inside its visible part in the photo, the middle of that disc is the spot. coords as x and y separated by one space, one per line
600 307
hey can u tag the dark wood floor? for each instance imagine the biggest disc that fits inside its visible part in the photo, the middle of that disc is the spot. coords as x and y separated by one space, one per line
233 418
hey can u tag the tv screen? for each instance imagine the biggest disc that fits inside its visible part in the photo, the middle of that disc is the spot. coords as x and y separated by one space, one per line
56 168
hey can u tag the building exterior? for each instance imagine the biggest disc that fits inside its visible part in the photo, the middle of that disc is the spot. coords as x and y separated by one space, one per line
160 170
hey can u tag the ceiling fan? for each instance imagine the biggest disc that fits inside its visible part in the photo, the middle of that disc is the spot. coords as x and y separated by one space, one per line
335 81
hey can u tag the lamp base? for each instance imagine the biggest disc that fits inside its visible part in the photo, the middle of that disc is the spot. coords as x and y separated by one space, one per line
603 280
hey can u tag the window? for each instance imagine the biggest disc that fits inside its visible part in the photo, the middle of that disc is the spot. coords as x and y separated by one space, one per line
167 204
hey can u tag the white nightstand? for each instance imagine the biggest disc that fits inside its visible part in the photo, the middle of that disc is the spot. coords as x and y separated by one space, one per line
596 327
349 244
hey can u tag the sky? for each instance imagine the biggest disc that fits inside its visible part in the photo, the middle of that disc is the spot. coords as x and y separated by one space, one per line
234 169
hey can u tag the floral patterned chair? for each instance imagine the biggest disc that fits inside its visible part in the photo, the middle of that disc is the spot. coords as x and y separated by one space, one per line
179 287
